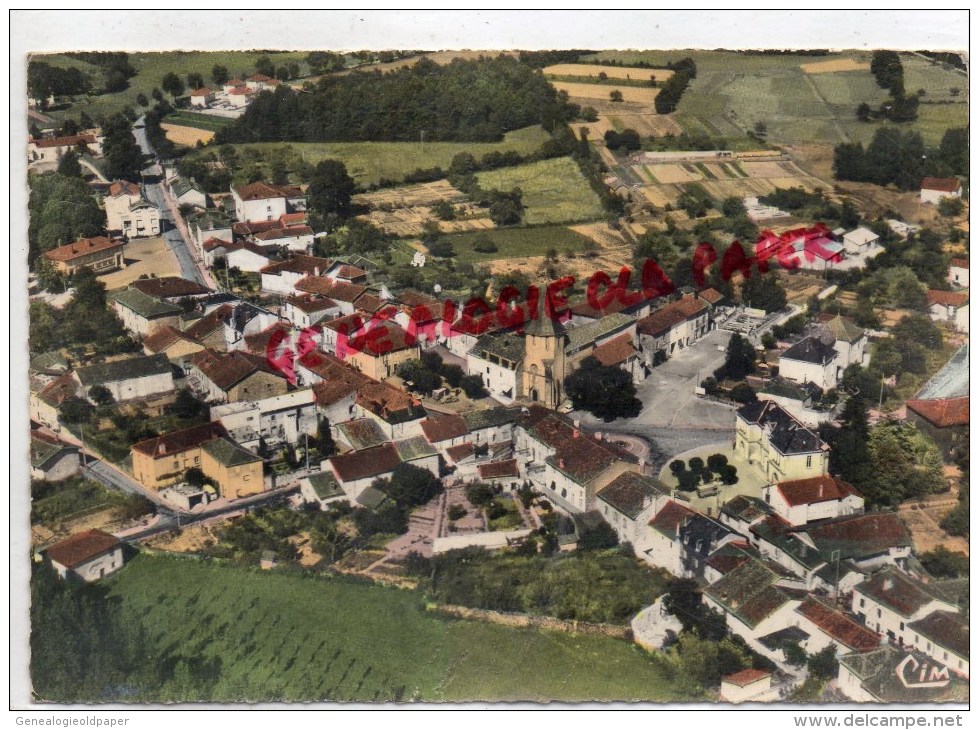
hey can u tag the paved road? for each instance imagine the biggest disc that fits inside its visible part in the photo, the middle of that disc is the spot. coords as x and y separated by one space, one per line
171 234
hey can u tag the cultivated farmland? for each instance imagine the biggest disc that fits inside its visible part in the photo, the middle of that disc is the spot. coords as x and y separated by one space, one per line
554 191
613 72
734 91
370 162
518 243
274 636
589 92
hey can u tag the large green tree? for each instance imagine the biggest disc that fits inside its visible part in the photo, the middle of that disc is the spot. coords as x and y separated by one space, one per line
62 210
605 392
331 188
172 84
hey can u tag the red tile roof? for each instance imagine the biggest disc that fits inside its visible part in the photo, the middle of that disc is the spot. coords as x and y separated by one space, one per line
366 463
460 451
291 232
346 271
250 228
413 298
944 184
843 629
670 316
210 322
258 343
241 91
292 219
711 296
746 677
203 91
947 298
182 440
341 291
823 488
577 454
69 141
82 547
959 263
310 304
339 379
59 390
386 401
82 247
214 242
247 246
265 191
164 338
669 519
616 351
444 426
376 345
943 411
259 78
166 287
124 187
498 469
299 264
226 370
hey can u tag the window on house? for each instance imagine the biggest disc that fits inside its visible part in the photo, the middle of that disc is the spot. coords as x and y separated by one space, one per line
878 613
247 477
809 461
946 656
564 492
902 626
928 646
861 603
197 460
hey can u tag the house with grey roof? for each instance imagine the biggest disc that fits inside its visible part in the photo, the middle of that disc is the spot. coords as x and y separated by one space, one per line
777 444
813 360
52 460
322 489
188 192
142 314
893 675
128 379
628 502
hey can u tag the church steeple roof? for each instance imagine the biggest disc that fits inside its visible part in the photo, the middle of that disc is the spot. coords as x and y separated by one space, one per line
544 325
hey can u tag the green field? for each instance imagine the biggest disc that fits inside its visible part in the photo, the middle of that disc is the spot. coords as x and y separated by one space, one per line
369 162
152 67
274 636
517 243
554 191
198 121
733 91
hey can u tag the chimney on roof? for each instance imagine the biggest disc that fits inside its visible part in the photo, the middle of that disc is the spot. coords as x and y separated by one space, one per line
598 435
888 583
162 450
316 271
560 463
577 423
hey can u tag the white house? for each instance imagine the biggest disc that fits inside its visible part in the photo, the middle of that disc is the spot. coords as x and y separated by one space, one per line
143 314
496 359
944 636
309 310
748 685
673 327
628 502
52 149
278 419
825 625
934 189
890 600
240 96
201 97
186 192
813 360
958 272
295 238
209 225
246 256
849 340
127 211
282 276
898 676
755 601
355 471
950 307
260 201
491 425
859 241
86 556
801 501
135 377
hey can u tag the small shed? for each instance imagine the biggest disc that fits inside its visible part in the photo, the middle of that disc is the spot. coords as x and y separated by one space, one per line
746 685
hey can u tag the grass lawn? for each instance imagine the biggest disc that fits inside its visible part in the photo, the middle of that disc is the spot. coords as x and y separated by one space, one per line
554 191
198 121
369 162
152 67
733 91
517 243
276 636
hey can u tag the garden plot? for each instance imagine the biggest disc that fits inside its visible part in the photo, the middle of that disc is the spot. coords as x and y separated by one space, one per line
838 64
187 136
408 196
635 94
613 72
409 222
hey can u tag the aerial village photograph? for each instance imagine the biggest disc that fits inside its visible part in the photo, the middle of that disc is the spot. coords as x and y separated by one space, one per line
426 375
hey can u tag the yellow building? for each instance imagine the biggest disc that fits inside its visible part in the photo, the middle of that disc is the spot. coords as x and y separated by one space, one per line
100 254
162 461
544 360
770 438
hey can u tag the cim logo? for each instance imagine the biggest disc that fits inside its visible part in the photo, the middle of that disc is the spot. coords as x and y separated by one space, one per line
917 675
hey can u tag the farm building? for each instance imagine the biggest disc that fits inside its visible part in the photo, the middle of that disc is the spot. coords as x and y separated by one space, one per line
934 189
86 556
143 314
134 377
950 307
52 460
958 272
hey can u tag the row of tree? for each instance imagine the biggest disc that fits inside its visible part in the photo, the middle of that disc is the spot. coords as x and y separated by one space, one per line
684 71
